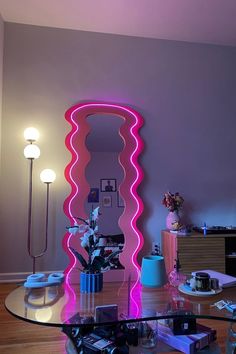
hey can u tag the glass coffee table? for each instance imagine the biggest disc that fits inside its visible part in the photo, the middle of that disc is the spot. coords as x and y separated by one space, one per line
124 317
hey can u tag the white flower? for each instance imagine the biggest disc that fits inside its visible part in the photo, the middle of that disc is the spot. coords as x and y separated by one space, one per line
95 213
78 228
73 229
85 228
89 232
85 240
84 243
82 228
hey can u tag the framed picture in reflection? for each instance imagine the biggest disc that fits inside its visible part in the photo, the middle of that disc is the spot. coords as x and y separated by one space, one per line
93 196
107 201
108 185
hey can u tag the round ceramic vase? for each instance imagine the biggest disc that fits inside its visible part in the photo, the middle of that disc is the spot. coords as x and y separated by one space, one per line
171 219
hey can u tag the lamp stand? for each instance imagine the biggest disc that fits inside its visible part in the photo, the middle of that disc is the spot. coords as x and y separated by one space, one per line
29 234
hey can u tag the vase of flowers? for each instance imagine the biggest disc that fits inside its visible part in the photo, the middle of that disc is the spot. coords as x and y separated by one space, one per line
91 276
173 202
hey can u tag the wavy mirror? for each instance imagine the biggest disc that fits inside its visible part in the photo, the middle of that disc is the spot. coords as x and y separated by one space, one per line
104 143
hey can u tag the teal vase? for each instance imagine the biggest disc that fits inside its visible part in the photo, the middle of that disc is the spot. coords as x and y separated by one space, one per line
153 271
91 283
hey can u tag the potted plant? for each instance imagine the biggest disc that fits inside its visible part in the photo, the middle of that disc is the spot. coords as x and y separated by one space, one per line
173 202
91 276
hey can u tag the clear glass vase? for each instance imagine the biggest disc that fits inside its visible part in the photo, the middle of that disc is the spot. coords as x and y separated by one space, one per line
176 278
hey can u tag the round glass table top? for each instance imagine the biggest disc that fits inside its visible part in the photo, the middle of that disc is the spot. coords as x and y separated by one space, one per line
64 305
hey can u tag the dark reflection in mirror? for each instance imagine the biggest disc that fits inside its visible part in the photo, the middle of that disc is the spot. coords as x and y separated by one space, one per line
104 175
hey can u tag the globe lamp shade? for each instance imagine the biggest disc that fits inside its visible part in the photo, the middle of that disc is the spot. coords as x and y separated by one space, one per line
47 176
31 134
31 151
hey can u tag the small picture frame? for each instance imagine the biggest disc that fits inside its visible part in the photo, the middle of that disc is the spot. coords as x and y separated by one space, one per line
120 201
107 201
93 196
108 185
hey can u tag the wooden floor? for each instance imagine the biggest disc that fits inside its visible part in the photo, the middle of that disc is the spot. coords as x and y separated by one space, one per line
19 337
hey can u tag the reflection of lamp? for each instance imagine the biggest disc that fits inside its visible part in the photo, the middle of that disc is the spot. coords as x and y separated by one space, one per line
32 152
43 315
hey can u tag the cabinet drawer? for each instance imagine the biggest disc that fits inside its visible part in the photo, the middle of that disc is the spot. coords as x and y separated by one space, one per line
201 253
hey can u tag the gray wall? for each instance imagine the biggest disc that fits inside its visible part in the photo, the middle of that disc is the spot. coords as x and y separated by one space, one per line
185 92
1 70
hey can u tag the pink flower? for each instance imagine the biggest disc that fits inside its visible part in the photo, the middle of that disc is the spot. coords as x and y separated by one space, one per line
172 201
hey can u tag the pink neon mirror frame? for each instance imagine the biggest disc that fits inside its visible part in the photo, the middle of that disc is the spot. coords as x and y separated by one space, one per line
133 175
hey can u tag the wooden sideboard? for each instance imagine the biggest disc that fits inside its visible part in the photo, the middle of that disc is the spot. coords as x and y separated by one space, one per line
196 252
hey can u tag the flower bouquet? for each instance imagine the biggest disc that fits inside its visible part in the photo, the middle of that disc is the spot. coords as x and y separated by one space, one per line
173 202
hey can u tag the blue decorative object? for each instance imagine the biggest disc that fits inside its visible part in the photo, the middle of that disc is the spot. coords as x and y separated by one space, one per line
91 282
40 280
153 272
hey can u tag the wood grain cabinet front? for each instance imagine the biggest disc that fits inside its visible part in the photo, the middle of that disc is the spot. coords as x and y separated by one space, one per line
195 252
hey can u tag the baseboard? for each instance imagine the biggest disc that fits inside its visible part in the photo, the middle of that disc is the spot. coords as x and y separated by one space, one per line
110 276
21 276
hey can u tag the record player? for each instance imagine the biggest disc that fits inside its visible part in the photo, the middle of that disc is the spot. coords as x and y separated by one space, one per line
206 230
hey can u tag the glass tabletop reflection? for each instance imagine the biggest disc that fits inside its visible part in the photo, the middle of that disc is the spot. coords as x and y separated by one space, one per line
65 305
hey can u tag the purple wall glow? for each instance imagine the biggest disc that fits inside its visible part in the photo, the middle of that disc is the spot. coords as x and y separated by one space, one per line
185 92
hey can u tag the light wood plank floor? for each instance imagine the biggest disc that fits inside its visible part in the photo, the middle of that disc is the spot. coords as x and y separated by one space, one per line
19 337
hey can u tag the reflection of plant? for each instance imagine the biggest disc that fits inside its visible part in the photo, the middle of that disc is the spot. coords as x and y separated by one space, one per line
172 201
97 259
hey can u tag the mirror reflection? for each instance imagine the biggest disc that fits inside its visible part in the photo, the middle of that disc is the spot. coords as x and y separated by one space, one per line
104 175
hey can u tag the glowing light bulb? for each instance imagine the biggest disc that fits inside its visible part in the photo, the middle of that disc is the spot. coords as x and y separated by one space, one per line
31 151
47 176
31 134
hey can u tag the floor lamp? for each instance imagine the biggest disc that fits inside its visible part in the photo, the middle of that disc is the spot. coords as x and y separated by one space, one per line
32 152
